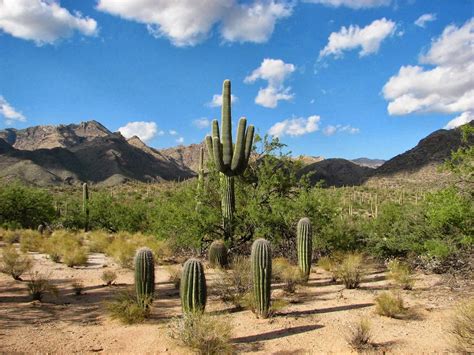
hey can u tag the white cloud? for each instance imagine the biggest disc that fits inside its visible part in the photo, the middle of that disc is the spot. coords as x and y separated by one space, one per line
368 39
42 21
180 140
423 19
189 22
10 113
275 72
217 100
331 130
463 118
143 130
173 132
353 4
295 126
447 86
202 123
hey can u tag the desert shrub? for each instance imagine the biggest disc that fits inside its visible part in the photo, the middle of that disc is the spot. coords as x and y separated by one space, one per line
123 249
175 272
331 263
14 263
77 287
108 277
30 240
74 255
401 274
10 236
39 285
360 335
99 241
125 308
462 327
389 305
25 207
351 270
437 249
66 247
284 272
202 333
232 286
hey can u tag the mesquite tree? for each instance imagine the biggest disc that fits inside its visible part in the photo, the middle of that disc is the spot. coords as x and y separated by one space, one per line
229 159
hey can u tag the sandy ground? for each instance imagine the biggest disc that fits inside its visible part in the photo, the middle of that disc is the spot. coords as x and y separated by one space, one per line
319 321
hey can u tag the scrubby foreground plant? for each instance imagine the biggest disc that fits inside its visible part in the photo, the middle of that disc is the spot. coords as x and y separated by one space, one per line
351 270
235 285
14 263
360 335
39 285
125 308
202 333
462 327
401 274
389 304
261 261
289 274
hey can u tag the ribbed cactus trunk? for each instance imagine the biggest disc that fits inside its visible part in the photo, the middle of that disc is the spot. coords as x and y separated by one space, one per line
200 185
229 159
304 242
144 276
218 254
85 205
261 260
193 288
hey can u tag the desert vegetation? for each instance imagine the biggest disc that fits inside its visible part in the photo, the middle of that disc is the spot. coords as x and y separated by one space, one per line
246 241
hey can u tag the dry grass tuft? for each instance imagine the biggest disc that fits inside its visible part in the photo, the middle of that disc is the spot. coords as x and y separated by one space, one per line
462 327
175 272
127 309
351 270
233 285
39 285
289 274
360 336
77 287
401 274
14 263
390 305
108 277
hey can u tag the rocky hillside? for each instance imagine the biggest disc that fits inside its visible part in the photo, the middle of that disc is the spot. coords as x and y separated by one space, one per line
52 155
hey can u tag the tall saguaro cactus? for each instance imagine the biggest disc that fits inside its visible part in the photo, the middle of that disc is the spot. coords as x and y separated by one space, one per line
193 287
85 204
144 276
304 243
230 160
261 261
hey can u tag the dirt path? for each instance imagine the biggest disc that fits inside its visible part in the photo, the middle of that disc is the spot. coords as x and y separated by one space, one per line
318 321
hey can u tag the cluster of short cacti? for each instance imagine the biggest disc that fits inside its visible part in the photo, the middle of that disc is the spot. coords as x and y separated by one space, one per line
229 159
144 276
304 243
218 254
193 287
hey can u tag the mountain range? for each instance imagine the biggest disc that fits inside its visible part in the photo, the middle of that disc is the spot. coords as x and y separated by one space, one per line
70 154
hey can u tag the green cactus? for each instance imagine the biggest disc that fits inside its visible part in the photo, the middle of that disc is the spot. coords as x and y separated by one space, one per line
85 204
193 287
144 276
304 244
261 259
218 254
230 160
200 185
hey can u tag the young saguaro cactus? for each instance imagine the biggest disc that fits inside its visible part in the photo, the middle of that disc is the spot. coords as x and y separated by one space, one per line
193 288
230 160
218 254
144 276
304 244
200 184
85 204
261 261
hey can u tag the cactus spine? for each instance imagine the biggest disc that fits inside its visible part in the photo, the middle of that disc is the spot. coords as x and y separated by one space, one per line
85 204
218 254
304 244
261 260
144 276
230 160
193 287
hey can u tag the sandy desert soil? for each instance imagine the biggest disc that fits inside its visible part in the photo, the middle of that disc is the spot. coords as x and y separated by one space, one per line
318 322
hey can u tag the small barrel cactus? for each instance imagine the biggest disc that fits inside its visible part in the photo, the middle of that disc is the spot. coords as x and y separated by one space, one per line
193 287
218 254
304 244
144 276
261 260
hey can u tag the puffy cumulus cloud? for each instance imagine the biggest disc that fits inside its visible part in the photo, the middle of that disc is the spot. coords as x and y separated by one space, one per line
255 22
463 118
295 126
275 72
180 140
10 114
447 86
368 39
217 100
173 132
202 123
424 19
353 4
143 130
42 21
331 130
189 22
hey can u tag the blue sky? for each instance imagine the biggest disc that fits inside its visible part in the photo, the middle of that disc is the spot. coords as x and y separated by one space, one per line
337 78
